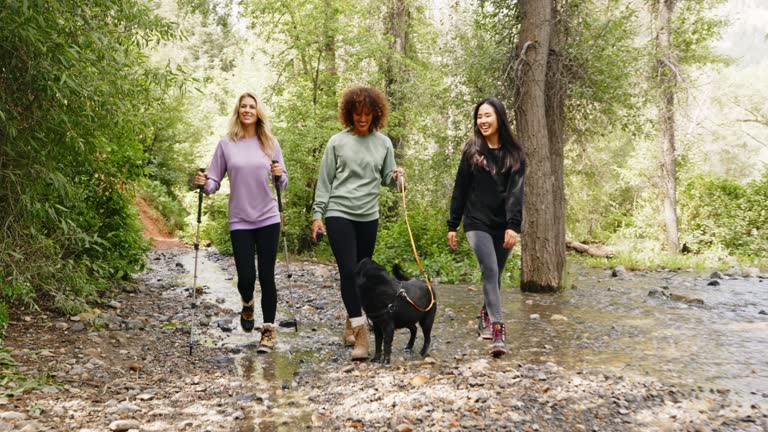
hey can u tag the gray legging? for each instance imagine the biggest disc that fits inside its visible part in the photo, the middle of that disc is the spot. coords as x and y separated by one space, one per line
492 257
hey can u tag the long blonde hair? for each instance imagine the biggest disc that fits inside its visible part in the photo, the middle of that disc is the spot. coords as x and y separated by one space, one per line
263 132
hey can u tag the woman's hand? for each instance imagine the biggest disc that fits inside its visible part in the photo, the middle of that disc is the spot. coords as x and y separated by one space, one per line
317 225
452 240
200 178
510 239
277 169
398 175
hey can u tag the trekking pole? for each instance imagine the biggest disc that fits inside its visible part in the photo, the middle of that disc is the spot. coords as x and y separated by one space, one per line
197 249
282 223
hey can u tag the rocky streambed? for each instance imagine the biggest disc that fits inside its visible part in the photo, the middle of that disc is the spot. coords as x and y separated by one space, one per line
128 366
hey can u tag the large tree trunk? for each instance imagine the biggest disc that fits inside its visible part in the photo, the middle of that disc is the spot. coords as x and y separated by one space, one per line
542 264
667 82
555 106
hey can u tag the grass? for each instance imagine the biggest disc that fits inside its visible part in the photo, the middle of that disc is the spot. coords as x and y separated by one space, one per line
649 256
13 383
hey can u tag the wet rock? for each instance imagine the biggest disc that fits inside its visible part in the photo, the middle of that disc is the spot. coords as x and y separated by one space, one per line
224 325
716 275
713 283
618 271
685 299
763 312
655 292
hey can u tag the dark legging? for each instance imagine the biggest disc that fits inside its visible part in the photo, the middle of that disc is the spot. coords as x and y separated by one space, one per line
264 240
351 241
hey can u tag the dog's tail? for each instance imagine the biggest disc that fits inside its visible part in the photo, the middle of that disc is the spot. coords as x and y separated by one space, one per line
398 272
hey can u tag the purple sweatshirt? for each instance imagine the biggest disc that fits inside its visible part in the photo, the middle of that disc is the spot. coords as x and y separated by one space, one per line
251 201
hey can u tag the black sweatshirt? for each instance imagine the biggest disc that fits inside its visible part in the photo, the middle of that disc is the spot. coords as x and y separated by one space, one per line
487 202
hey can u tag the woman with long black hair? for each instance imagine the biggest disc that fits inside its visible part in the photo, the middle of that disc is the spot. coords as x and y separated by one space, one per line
488 195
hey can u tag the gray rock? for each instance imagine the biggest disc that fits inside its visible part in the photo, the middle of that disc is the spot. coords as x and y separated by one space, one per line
12 416
134 324
716 275
713 283
124 425
751 272
618 271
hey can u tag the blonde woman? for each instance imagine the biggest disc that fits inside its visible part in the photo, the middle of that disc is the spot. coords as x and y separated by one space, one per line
246 156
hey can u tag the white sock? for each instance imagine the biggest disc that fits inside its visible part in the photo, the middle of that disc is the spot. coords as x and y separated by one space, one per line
357 321
272 325
250 303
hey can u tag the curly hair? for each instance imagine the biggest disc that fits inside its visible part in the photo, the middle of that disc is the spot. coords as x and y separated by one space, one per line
359 98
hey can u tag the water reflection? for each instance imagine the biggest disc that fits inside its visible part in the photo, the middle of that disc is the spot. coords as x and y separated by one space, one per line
613 323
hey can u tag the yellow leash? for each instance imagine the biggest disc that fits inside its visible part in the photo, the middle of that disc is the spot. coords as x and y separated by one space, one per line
401 185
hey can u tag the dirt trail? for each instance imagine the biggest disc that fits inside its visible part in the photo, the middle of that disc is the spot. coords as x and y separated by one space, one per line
127 366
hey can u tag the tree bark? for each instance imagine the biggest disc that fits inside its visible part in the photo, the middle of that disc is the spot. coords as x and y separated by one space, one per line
542 264
667 81
394 72
555 108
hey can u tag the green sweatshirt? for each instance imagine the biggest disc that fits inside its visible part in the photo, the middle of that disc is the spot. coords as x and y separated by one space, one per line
350 173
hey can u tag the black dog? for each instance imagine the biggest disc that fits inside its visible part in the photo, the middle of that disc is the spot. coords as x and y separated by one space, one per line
385 303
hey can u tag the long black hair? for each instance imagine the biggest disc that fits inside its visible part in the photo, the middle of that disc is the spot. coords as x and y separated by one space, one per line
476 147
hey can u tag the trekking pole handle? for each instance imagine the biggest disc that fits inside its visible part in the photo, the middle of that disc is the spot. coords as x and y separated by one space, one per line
276 179
200 198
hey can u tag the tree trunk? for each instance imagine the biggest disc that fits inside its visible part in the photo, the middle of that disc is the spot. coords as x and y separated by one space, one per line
555 107
397 30
667 82
542 267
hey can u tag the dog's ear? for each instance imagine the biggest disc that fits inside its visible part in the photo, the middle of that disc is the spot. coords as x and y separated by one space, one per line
398 272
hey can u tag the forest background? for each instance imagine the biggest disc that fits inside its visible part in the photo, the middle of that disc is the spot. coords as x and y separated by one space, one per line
106 102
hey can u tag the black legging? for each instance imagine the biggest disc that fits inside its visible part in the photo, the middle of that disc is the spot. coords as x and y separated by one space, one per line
351 241
264 240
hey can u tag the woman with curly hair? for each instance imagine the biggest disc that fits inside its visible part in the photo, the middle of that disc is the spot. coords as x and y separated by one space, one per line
356 161
246 155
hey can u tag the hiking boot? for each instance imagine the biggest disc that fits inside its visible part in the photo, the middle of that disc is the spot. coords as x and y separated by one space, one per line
484 325
349 336
499 331
246 316
268 338
360 352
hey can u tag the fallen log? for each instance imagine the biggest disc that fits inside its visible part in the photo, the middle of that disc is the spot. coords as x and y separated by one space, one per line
600 251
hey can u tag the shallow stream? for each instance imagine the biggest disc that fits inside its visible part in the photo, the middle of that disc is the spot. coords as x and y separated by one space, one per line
602 323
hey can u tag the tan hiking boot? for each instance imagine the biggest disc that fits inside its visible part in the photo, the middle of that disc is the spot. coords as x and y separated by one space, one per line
246 316
349 335
360 352
268 339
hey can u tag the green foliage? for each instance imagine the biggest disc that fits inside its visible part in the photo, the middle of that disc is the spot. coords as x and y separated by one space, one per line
717 213
79 102
14 384
216 226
